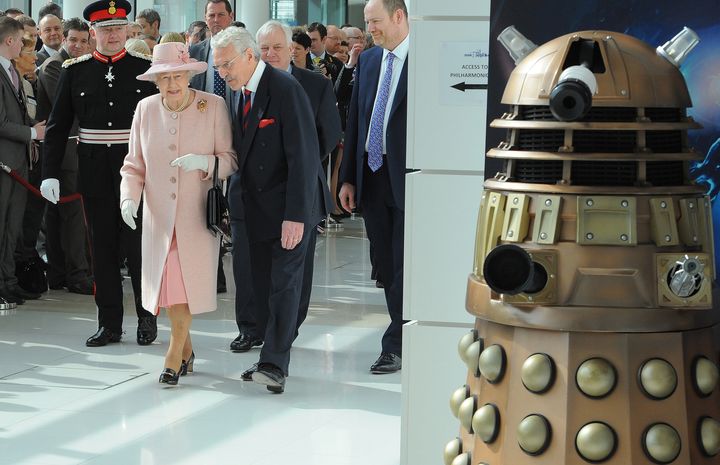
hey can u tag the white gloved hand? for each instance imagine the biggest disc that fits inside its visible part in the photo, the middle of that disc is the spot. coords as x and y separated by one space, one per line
50 189
128 210
191 162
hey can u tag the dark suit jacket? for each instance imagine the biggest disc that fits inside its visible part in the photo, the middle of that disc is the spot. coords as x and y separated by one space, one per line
278 163
333 65
48 78
367 75
327 120
324 107
201 52
41 56
343 92
14 126
47 84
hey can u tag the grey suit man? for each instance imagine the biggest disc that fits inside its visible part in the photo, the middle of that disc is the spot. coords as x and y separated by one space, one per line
16 134
66 233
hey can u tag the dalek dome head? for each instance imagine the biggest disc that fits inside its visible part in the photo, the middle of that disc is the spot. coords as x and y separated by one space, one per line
599 68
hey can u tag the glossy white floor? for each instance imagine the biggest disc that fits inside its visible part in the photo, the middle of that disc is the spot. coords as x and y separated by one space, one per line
62 403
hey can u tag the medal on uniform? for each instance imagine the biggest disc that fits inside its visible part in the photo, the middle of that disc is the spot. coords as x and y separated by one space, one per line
109 76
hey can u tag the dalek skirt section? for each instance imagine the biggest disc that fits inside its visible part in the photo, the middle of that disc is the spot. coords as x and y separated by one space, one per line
597 335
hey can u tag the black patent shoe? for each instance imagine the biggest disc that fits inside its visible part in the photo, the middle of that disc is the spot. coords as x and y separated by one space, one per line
245 342
247 374
146 330
271 376
187 366
386 363
103 337
169 376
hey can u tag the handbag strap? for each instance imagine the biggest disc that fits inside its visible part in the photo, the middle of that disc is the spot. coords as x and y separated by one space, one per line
215 174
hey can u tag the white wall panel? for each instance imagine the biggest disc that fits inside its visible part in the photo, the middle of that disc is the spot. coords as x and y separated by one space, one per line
446 127
440 218
429 378
448 8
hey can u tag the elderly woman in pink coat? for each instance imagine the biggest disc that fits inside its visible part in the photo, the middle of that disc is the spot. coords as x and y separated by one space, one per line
174 140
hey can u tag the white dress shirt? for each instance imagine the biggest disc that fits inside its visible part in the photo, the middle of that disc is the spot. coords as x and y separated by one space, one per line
254 80
401 53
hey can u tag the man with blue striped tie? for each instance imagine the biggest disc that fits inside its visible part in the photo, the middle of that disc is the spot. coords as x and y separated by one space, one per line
372 172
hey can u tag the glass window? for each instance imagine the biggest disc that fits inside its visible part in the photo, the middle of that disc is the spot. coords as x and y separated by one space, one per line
283 10
175 16
22 4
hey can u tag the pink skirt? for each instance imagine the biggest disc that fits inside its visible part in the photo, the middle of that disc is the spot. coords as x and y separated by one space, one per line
172 288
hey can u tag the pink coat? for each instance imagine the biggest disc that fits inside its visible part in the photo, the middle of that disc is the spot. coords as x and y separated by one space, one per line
176 200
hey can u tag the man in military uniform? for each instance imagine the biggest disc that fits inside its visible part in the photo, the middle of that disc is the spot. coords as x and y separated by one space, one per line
101 91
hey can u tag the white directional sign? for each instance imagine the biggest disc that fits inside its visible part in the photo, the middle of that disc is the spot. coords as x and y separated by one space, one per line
463 73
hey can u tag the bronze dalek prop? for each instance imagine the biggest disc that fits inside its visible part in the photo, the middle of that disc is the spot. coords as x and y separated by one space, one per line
597 334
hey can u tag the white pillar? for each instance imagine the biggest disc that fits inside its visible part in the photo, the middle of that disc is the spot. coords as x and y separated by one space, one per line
253 13
73 8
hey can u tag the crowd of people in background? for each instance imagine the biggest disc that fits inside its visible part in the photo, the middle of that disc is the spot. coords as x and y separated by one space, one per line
37 57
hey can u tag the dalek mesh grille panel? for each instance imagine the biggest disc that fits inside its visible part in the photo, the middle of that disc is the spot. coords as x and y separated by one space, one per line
597 332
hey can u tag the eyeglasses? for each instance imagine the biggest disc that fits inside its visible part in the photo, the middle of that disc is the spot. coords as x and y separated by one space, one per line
225 66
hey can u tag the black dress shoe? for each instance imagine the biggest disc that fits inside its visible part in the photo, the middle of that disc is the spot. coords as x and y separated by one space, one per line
169 376
146 330
247 374
271 376
11 298
386 363
57 286
82 287
103 337
245 342
18 291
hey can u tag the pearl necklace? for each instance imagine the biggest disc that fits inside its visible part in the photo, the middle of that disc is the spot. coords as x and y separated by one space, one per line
183 105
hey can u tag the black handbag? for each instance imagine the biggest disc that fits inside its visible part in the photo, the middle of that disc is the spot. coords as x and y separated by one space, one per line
218 217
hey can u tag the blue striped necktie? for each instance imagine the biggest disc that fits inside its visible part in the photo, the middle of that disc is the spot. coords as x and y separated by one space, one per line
375 141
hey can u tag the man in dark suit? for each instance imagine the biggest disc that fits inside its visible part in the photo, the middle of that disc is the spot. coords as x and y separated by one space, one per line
275 41
276 182
16 133
319 58
66 235
218 16
372 172
51 33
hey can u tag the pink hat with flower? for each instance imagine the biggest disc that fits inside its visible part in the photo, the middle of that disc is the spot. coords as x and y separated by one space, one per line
172 56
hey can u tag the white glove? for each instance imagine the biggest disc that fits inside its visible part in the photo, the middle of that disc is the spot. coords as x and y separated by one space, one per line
191 162
128 210
50 189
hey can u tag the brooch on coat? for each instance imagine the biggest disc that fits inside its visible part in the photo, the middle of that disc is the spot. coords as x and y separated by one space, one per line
202 105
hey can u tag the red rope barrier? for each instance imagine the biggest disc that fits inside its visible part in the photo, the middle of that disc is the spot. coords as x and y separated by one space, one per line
65 199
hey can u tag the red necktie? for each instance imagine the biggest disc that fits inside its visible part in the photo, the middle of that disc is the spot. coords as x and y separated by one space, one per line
246 108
